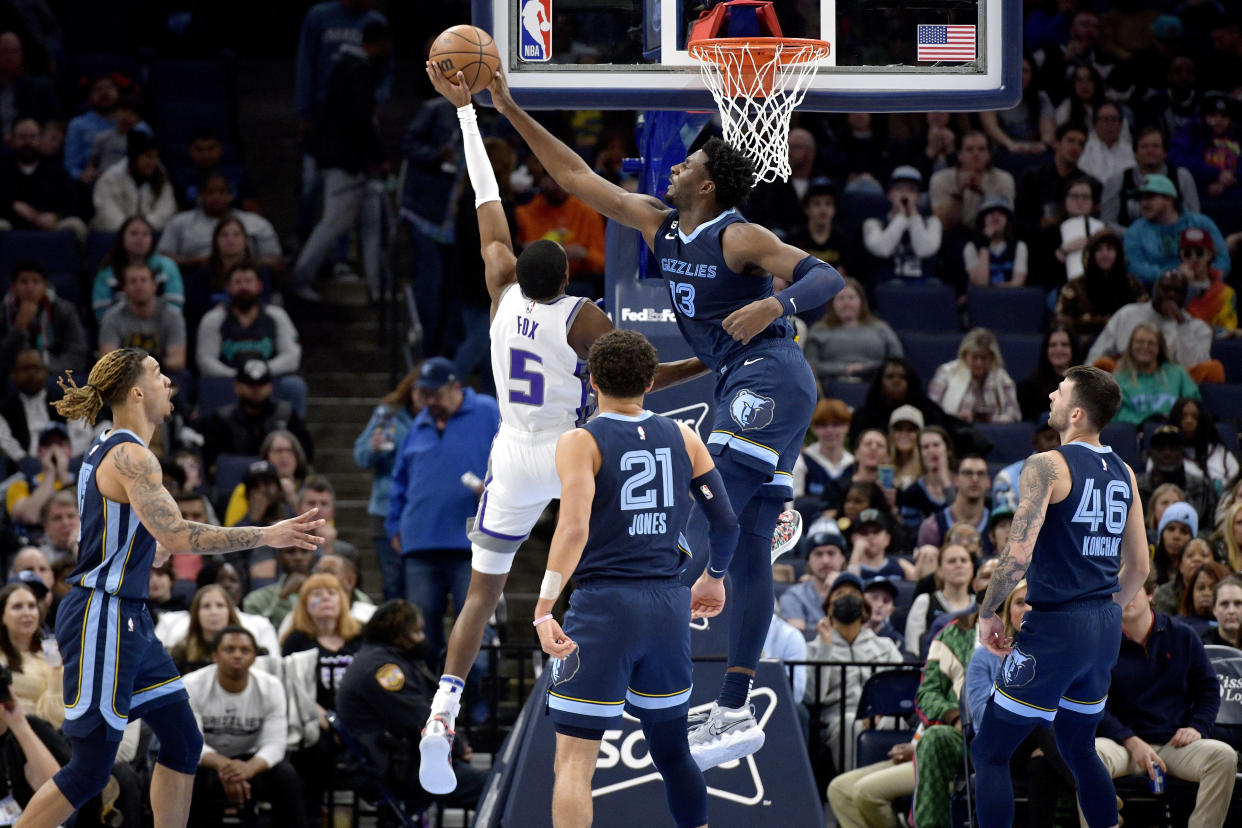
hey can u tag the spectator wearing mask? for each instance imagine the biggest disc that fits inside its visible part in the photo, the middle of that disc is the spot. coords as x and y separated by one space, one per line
1167 464
849 343
907 242
976 387
448 439
1227 610
1121 203
144 321
1188 340
26 413
242 714
37 193
135 244
1087 302
969 505
843 635
245 329
1153 241
240 428
1168 597
881 597
188 238
802 604
32 318
137 186
1212 300
1161 710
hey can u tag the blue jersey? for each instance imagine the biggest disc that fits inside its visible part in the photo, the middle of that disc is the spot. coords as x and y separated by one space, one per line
115 551
1078 552
704 290
642 498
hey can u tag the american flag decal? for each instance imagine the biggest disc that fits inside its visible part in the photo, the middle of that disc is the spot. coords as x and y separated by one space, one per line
946 43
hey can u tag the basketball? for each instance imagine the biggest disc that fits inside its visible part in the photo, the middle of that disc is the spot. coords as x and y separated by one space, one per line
469 50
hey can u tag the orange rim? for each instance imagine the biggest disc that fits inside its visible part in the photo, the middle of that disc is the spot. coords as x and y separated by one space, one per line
755 59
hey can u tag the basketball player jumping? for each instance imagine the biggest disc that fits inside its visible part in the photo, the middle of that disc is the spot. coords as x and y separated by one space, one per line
625 477
1079 541
719 269
115 667
540 338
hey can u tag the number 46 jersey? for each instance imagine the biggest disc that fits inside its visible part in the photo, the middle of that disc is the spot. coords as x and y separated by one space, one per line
540 382
1078 552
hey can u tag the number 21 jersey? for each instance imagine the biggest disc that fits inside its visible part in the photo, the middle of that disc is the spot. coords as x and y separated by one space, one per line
540 382
1078 551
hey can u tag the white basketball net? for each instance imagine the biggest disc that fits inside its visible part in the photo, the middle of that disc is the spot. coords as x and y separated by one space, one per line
757 90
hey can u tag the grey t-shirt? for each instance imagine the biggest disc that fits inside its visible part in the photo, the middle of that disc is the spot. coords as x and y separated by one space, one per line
165 329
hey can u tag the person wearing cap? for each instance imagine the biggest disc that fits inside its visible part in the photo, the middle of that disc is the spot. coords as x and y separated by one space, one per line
802 604
1120 205
849 343
1188 340
25 496
245 328
137 185
998 258
1209 148
871 549
265 501
907 238
843 635
1152 241
881 597
241 427
1212 300
819 234
1167 463
976 387
969 505
450 437
903 437
1000 520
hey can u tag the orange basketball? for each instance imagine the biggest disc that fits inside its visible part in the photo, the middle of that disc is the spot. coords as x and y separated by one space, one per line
469 50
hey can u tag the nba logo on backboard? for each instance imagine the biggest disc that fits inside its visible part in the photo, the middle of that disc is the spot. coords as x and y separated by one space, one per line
536 33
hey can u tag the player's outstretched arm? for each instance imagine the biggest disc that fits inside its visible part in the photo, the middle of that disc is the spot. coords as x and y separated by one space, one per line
678 371
135 470
641 212
1039 476
577 461
495 242
1135 557
707 596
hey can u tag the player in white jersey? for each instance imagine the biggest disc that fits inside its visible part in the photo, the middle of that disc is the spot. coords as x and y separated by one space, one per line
540 338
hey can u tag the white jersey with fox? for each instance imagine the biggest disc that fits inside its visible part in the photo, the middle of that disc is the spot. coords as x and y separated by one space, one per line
541 383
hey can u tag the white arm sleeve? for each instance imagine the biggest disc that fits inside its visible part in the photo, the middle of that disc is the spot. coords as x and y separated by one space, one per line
478 166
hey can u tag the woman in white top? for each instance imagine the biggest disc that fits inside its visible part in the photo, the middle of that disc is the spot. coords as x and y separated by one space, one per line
37 682
849 343
1203 444
187 633
955 571
975 386
1076 230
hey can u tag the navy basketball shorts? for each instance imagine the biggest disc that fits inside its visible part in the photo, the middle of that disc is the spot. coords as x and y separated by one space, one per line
763 406
1062 659
115 667
633 654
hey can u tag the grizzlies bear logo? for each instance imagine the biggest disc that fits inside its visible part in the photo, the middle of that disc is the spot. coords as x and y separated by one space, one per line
752 411
564 669
1018 669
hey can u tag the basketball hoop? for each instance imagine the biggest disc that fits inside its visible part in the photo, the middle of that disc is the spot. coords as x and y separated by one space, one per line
758 82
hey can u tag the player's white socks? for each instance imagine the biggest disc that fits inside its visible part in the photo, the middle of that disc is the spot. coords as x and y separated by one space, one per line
448 695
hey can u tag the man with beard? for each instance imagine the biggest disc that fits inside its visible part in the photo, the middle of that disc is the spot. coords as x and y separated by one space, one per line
1167 463
245 329
144 320
38 194
240 428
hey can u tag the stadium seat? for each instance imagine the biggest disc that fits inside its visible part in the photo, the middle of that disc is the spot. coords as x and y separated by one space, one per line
851 393
98 244
1014 310
55 250
901 607
175 79
886 693
1229 352
230 470
856 207
928 351
1010 441
916 307
1021 352
1225 401
214 393
1228 433
1123 439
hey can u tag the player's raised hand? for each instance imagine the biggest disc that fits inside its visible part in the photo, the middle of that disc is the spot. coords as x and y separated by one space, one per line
553 639
499 87
748 321
707 596
992 633
295 532
455 90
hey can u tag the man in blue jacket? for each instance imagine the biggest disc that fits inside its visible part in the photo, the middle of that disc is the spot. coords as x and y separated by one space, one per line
1161 709
432 495
1153 241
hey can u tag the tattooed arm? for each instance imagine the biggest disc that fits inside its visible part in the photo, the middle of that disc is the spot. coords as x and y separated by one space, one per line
130 473
1035 488
1135 557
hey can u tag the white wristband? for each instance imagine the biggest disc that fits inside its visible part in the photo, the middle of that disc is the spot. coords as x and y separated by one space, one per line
478 165
550 589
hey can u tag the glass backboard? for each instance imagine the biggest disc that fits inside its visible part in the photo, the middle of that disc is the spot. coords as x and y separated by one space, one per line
887 55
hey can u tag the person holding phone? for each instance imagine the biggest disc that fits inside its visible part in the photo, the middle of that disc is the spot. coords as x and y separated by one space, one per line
909 240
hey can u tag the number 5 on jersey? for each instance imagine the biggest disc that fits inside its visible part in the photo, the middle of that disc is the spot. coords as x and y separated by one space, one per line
520 370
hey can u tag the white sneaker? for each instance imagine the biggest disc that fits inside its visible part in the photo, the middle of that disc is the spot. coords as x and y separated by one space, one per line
787 533
435 767
724 735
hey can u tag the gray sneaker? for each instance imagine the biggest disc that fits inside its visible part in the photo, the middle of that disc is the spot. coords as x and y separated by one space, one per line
724 735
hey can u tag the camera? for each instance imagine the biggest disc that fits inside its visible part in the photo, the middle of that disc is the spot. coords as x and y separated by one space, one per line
6 682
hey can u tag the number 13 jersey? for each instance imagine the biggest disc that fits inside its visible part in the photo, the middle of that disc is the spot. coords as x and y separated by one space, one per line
541 384
1078 551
